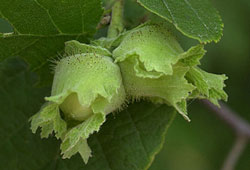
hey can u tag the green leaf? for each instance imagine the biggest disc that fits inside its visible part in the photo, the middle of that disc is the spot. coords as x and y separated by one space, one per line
19 99
208 85
130 139
42 26
194 18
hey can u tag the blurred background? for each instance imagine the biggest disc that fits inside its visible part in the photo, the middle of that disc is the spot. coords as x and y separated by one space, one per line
204 143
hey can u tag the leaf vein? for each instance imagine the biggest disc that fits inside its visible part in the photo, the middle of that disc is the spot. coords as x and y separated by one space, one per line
103 153
138 133
170 12
32 43
6 35
12 134
82 18
196 13
47 11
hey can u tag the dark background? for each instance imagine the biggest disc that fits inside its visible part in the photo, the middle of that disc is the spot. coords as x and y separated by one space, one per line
204 143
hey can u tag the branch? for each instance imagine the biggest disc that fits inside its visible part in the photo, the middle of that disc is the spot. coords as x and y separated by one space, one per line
241 128
234 154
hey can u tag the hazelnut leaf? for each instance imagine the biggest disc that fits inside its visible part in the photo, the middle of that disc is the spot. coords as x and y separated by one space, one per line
197 19
42 27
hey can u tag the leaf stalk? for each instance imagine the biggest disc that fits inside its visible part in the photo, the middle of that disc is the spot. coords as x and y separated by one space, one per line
116 25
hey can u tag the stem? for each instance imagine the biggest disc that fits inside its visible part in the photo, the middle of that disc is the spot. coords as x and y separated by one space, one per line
234 154
116 25
241 128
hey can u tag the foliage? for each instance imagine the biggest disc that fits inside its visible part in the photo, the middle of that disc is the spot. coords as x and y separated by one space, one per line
194 18
40 30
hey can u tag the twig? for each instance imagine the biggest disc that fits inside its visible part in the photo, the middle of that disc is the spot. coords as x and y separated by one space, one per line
241 128
234 154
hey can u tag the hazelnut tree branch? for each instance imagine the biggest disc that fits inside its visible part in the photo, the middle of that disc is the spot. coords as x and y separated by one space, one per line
234 154
240 127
